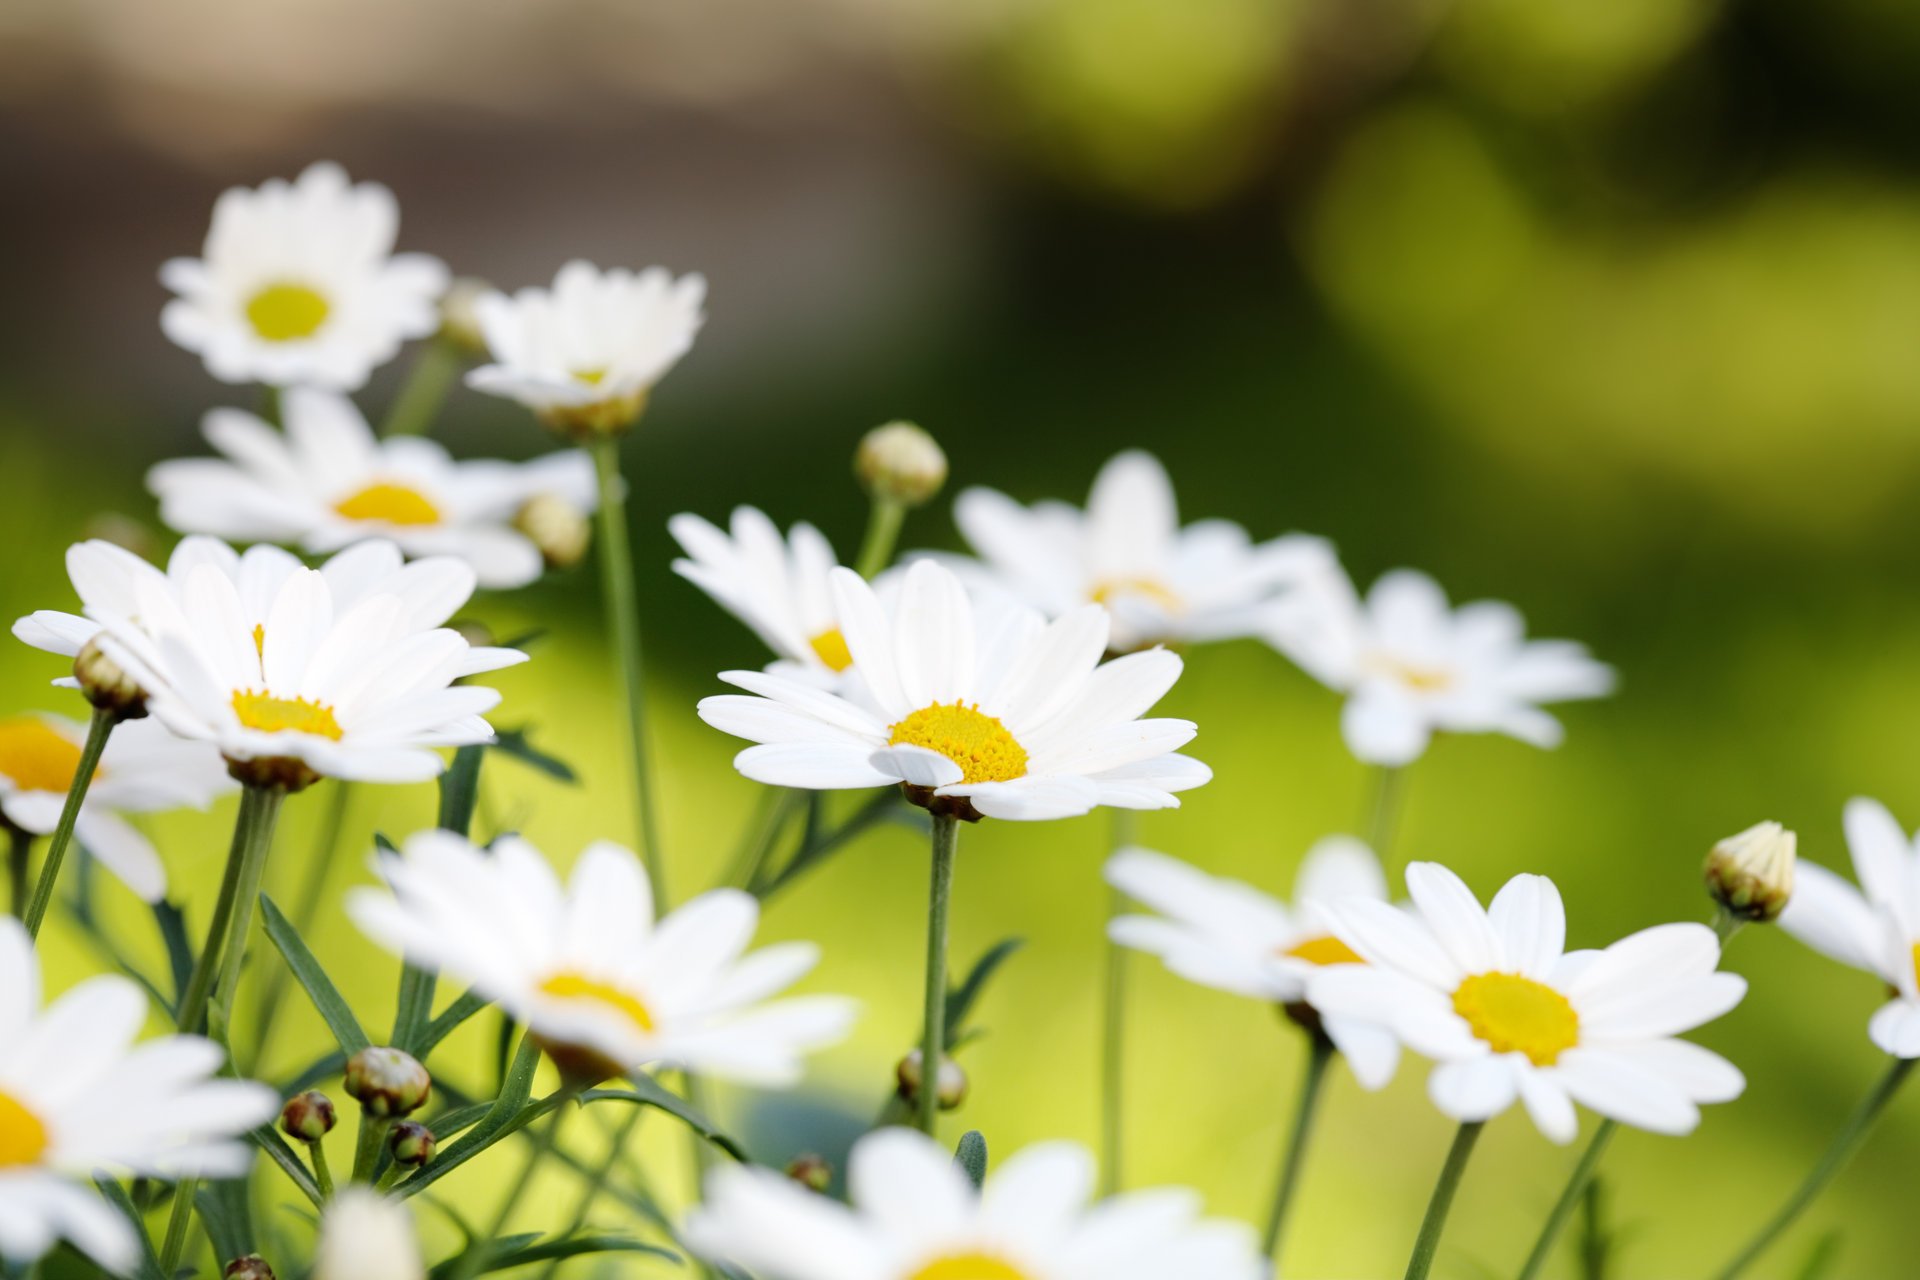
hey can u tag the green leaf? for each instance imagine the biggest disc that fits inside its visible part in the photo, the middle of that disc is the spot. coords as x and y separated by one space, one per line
173 932
460 790
961 999
643 1090
383 844
1821 1261
319 988
816 848
513 742
971 1156
502 1255
448 1022
508 1113
223 1210
413 1010
281 1152
116 1195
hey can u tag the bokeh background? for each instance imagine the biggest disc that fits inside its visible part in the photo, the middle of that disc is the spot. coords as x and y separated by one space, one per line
1609 309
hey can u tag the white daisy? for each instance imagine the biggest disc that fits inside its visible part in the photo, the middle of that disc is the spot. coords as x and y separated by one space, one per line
915 1216
1026 724
1128 552
1875 927
78 1097
585 353
1230 936
1495 998
298 284
145 769
606 990
367 1236
328 481
777 587
1410 664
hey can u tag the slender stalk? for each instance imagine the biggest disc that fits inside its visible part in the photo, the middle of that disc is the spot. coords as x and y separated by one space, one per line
178 1221
371 1136
193 1004
933 1042
544 1142
1570 1198
883 531
770 817
98 730
1389 787
19 869
1113 1027
1725 925
1320 1053
1435 1222
322 1172
253 864
1596 1246
306 909
425 390
1845 1143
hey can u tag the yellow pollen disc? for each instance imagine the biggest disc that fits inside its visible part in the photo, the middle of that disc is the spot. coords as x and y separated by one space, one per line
287 312
964 734
269 714
831 648
969 1266
1150 589
389 503
1324 950
23 1139
35 758
1518 1015
578 986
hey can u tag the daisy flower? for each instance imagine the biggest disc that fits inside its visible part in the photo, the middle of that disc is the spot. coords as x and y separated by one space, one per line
1026 724
777 586
1410 664
605 989
585 353
1495 998
1232 937
1875 927
328 482
145 770
78 1097
1128 552
915 1216
367 1236
298 284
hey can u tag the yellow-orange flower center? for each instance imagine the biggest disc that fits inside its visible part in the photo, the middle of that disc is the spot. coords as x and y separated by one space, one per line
969 1266
571 985
1107 591
287 312
1416 676
831 648
389 503
36 758
1518 1015
966 735
1326 949
23 1138
269 714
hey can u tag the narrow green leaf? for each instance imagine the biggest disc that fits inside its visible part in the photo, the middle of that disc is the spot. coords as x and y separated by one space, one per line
448 1022
819 847
643 1090
961 999
383 844
460 790
508 1113
173 932
281 1152
514 743
971 1156
116 1195
223 1209
319 988
413 1010
1821 1261
503 1255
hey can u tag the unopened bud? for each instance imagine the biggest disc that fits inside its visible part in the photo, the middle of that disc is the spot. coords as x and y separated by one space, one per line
558 528
1751 874
308 1116
950 1090
412 1144
460 316
107 684
811 1171
250 1267
901 463
387 1082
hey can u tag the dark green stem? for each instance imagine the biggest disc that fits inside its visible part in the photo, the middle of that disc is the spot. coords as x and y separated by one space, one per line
1435 1222
933 1042
192 1013
1320 1053
418 404
98 730
883 531
19 869
1570 1199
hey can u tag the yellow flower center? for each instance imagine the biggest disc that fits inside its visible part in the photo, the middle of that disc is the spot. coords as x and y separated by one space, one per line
1324 950
34 757
1518 1015
831 648
592 377
269 714
23 1139
1149 589
569 985
969 1266
287 312
1418 678
389 503
964 734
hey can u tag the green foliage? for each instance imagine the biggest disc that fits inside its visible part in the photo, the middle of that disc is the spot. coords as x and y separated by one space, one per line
313 979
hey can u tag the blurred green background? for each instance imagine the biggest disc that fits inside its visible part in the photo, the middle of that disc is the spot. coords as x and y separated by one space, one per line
1605 308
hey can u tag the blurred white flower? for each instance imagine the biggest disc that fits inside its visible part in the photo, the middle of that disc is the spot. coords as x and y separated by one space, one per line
367 1236
298 284
328 482
777 587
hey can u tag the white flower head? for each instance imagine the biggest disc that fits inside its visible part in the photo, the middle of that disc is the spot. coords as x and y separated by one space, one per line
1875 927
1411 664
777 586
328 482
915 1216
1128 552
77 1096
1232 937
298 284
585 353
604 988
367 1236
1025 723
1493 996
145 769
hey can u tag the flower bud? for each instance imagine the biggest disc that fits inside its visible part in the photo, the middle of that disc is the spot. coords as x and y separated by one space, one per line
106 684
366 1236
387 1082
250 1267
557 527
460 317
412 1144
900 463
811 1171
950 1090
307 1117
1751 874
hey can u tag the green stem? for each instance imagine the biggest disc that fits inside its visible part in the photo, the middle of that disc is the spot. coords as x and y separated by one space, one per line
371 1137
1845 1143
933 1042
770 817
253 864
1435 1222
181 1218
193 1005
1570 1198
98 730
544 1142
322 1173
1320 1053
1725 925
418 404
1389 786
1113 1027
19 868
306 909
883 531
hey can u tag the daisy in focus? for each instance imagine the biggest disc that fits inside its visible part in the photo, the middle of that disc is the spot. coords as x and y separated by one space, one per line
145 770
1127 551
777 586
602 987
1493 996
1025 724
328 481
1876 927
299 285
1232 937
584 354
78 1097
1410 664
915 1216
